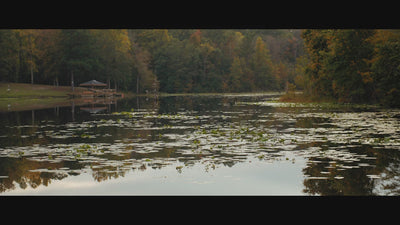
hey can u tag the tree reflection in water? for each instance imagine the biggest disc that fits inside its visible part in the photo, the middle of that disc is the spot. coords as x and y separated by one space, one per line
346 148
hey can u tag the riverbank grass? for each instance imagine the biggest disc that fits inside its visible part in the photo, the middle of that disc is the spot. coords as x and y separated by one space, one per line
23 90
22 96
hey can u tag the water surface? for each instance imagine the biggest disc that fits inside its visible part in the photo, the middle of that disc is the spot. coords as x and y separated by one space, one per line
206 144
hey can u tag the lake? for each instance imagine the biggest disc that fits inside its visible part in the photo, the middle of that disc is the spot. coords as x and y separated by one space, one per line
227 144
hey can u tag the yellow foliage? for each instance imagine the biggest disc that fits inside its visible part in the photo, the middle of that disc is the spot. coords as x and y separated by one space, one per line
366 77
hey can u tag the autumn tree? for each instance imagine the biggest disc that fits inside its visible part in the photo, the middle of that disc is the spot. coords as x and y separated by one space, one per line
316 43
145 78
281 76
19 55
262 67
300 79
237 72
28 51
49 58
113 55
152 47
350 51
232 43
153 40
385 70
190 60
352 65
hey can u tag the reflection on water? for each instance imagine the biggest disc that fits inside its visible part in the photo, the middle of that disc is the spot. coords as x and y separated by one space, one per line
201 144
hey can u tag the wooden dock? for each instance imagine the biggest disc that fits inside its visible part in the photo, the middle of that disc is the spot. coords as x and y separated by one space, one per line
95 93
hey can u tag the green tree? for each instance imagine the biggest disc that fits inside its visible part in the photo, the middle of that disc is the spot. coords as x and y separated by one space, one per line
262 67
300 79
113 55
158 43
146 80
232 41
350 51
153 40
78 54
205 60
29 50
237 72
385 68
19 55
316 43
49 63
281 76
169 66
9 56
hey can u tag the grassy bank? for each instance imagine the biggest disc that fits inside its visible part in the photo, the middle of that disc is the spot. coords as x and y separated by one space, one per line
22 90
21 96
21 104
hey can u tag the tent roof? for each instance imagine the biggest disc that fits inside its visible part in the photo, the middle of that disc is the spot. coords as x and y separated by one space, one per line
93 83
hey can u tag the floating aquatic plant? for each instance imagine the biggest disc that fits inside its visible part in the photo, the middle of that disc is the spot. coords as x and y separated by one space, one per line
154 138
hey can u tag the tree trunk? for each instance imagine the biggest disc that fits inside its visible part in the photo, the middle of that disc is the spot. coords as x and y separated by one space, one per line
31 70
137 84
17 65
72 80
204 66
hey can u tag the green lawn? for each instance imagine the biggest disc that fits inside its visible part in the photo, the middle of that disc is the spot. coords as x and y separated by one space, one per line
21 96
22 90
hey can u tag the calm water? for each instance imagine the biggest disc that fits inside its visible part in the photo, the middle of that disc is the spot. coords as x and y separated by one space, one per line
194 145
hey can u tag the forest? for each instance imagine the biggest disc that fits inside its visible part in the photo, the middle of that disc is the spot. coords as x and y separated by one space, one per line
353 66
140 60
344 65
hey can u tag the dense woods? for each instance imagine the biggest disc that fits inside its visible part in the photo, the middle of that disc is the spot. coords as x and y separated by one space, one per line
356 66
185 60
347 65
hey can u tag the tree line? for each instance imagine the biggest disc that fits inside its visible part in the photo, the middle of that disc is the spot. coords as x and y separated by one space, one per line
352 65
347 65
146 60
